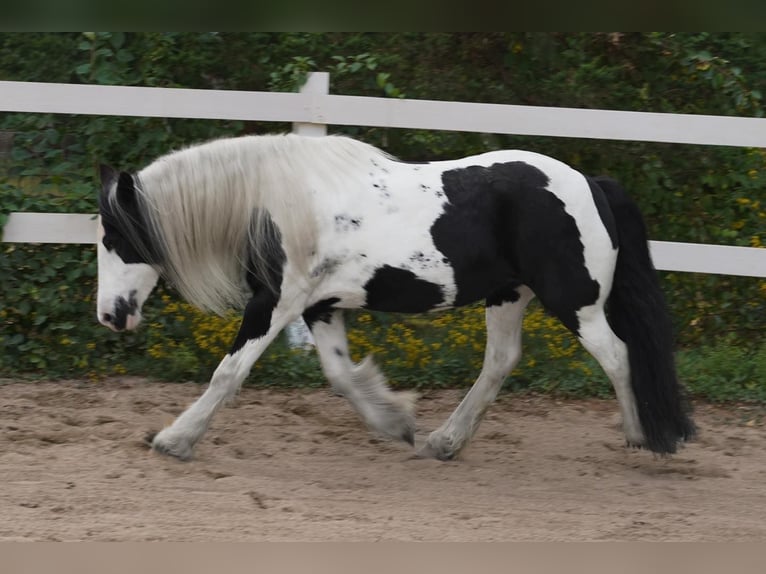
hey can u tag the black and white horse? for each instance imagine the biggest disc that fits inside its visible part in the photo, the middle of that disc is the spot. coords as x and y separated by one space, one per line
287 226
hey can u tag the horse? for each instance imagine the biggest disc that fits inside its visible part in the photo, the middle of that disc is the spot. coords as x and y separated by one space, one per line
284 227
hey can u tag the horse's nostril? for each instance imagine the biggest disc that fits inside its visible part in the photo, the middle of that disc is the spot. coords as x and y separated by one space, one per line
107 318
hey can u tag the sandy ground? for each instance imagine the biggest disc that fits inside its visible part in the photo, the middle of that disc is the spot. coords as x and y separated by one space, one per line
299 466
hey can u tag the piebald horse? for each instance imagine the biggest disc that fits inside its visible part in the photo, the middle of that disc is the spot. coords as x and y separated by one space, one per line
284 226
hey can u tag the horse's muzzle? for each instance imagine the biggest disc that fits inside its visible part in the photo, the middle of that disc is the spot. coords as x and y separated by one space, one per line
125 315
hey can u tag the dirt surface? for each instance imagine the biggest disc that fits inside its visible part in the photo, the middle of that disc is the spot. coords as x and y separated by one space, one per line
300 466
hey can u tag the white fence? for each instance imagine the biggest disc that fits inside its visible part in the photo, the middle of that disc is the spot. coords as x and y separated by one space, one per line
314 108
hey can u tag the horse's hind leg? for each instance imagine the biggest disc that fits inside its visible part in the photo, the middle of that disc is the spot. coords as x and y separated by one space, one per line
599 340
383 410
502 353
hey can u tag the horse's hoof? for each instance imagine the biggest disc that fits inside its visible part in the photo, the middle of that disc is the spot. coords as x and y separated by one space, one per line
149 438
439 453
397 426
177 449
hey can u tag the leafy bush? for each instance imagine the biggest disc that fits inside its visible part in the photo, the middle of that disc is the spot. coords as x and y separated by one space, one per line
725 371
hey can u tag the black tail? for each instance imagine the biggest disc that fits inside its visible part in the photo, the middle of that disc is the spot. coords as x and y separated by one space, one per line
639 316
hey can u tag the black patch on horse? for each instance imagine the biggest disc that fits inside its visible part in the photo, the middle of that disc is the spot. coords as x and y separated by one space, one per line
266 263
467 233
126 232
264 280
401 291
345 223
506 294
503 226
122 308
256 319
320 311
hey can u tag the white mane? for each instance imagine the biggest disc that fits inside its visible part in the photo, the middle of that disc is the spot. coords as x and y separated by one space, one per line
206 207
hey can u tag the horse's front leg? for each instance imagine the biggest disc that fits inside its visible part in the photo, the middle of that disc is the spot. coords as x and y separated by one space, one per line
383 410
261 323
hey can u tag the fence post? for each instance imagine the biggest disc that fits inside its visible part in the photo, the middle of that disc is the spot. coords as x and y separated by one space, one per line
317 83
298 333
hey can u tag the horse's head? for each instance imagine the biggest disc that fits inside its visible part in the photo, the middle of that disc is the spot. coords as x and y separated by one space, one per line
125 275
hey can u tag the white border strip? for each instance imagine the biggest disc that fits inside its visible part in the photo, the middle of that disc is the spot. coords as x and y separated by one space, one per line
317 108
706 258
50 228
41 97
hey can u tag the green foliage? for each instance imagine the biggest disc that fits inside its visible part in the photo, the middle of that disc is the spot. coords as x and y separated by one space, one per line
725 371
291 76
46 321
109 62
707 194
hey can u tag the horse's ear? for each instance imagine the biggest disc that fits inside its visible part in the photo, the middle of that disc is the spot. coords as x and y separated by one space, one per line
126 190
108 175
